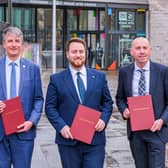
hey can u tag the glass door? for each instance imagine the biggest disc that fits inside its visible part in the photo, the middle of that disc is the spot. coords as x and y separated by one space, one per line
125 41
91 50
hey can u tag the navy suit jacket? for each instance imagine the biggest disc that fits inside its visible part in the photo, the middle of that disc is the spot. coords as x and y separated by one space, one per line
30 92
62 102
158 89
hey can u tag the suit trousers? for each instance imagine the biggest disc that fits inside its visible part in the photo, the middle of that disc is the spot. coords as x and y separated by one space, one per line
148 150
16 152
82 155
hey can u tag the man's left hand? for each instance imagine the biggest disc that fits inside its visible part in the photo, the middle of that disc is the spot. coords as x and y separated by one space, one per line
100 125
26 126
157 125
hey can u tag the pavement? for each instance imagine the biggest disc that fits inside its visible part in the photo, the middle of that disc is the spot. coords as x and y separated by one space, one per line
118 153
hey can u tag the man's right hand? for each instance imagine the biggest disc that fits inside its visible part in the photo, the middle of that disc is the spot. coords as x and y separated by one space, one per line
2 106
126 113
65 132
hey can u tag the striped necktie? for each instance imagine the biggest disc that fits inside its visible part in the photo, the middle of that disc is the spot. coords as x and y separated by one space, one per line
81 87
142 83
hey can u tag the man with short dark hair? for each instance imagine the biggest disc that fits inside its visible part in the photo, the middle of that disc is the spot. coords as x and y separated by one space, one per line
62 100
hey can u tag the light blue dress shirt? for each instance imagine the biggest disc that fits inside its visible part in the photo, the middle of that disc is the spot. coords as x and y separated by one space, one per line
8 75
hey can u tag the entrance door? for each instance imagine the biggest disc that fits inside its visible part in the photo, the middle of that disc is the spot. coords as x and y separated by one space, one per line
95 44
91 52
91 45
125 41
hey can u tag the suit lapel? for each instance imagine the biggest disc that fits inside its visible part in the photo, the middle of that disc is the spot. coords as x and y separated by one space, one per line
91 81
23 68
153 78
130 78
70 85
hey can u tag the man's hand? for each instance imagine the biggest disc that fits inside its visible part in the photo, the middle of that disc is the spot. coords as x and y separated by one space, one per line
26 126
157 125
126 113
100 125
65 132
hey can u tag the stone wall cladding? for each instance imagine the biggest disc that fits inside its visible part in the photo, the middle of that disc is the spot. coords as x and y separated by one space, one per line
158 30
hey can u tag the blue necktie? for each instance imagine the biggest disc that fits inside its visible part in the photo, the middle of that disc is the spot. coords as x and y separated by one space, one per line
13 80
81 87
142 86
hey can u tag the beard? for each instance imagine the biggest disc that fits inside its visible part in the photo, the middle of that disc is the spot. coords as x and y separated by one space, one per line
77 63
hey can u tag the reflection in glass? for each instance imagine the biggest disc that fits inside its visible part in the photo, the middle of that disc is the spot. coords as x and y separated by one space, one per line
71 19
83 18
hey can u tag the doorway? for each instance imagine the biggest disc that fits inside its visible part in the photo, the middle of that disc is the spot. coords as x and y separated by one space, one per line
95 47
124 57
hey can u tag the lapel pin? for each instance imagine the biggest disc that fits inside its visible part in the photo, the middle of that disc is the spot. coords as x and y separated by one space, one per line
24 66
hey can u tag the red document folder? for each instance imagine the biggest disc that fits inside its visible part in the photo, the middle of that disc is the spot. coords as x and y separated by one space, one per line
13 115
83 125
141 112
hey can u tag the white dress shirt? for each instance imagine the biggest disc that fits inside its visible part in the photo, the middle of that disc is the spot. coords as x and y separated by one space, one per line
83 75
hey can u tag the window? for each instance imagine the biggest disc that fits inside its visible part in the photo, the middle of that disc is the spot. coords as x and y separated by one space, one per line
102 20
1 14
91 20
71 19
17 17
83 20
140 25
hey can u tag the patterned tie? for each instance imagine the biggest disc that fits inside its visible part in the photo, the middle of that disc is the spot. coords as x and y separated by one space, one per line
142 86
13 80
81 87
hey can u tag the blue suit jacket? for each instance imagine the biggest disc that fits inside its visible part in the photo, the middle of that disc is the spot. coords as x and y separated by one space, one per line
30 92
62 101
158 89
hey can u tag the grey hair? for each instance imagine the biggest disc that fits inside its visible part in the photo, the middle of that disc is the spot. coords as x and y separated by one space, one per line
12 31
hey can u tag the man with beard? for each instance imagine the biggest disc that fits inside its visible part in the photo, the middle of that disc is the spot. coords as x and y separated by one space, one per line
62 100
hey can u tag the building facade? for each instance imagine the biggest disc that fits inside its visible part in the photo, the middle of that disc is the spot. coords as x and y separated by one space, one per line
158 30
107 27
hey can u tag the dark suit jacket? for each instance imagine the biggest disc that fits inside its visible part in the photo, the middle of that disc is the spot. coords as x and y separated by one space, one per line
158 89
30 92
62 101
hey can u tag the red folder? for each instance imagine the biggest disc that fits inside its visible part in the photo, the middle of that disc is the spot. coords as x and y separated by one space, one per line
141 112
13 115
83 125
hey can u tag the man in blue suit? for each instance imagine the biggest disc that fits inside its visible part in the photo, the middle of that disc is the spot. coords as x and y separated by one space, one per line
16 149
62 100
147 146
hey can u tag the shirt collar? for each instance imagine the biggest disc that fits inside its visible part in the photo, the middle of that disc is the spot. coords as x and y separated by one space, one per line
146 67
74 71
8 61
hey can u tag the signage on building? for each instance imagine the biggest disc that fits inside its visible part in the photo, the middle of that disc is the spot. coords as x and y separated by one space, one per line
126 19
109 11
61 3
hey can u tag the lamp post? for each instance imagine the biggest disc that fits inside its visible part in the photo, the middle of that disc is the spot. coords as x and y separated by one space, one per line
54 37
